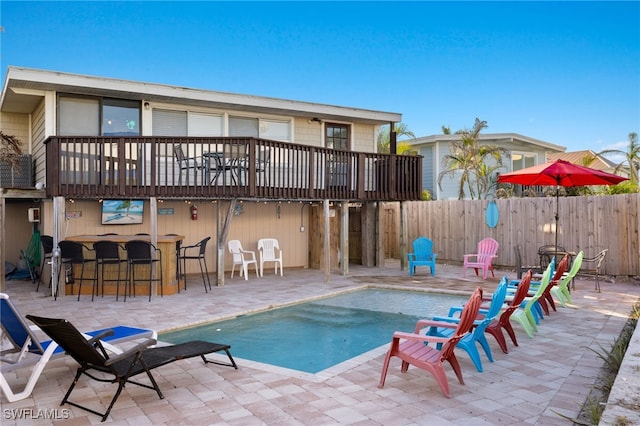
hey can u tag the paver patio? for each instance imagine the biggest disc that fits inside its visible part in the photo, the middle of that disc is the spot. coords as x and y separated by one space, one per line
538 382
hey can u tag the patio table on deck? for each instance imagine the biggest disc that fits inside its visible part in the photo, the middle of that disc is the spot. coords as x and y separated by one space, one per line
546 253
217 164
167 246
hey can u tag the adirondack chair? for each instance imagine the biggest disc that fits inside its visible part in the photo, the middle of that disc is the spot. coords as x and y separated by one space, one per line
422 255
411 347
476 335
487 251
502 322
561 291
546 300
525 315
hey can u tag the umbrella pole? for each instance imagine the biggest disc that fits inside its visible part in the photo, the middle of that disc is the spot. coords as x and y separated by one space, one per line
557 217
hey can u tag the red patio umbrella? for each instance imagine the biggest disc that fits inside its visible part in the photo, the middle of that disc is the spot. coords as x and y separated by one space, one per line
560 173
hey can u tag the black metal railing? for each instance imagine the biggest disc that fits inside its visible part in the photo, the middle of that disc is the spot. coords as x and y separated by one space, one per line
224 167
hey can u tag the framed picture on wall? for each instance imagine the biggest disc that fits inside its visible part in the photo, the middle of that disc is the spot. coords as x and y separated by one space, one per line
122 212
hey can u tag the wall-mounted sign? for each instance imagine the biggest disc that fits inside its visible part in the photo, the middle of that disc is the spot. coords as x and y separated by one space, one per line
166 210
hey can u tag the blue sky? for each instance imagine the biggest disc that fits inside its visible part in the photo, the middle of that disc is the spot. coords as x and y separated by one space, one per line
564 72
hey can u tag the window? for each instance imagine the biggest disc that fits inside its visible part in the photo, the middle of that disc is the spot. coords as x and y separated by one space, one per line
521 161
204 124
183 123
243 126
274 130
169 123
78 116
277 130
337 136
98 117
120 118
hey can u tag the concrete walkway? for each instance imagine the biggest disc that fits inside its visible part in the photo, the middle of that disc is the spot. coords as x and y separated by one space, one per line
543 381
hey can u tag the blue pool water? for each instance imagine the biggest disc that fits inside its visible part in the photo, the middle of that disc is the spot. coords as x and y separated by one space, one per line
316 335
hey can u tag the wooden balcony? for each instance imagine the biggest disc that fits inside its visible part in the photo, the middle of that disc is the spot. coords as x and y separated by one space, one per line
224 168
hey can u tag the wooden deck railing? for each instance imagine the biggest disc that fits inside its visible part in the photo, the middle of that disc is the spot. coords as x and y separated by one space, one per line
225 167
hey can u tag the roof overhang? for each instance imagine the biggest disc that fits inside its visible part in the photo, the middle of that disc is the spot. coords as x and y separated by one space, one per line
24 88
492 138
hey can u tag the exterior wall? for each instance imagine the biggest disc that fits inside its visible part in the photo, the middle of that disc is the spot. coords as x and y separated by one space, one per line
30 130
17 125
305 133
257 220
18 229
449 189
429 180
364 138
38 130
364 135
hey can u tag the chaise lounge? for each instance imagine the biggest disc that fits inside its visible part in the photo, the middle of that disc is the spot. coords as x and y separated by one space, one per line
140 358
24 349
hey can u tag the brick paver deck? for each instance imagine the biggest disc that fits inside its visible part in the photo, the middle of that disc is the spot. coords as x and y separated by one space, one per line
539 382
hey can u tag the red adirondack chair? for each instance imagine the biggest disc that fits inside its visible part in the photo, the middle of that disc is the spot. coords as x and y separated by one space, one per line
502 322
412 348
546 299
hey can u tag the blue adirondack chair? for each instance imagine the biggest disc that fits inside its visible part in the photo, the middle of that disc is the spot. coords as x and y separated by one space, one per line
477 333
422 255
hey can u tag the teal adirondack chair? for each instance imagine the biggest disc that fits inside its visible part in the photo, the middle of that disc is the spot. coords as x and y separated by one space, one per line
422 255
476 334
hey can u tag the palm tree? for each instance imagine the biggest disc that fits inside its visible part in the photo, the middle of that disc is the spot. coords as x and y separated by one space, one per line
124 205
631 157
383 139
468 157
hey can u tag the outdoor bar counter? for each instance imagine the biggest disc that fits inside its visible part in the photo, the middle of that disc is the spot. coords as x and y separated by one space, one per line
167 246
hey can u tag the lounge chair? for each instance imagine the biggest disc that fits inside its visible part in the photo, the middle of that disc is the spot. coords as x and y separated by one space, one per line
140 358
26 350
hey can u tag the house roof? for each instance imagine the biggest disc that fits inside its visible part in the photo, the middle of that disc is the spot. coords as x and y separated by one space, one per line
511 138
576 157
24 88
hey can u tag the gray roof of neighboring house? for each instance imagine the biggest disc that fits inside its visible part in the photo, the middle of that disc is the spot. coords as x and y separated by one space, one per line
490 137
24 87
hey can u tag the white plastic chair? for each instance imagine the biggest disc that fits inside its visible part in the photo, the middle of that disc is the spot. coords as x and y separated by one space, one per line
270 252
243 258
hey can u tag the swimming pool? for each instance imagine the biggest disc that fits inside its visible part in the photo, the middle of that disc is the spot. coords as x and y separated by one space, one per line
314 336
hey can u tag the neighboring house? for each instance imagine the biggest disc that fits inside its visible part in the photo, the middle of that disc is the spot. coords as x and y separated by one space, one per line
583 158
262 159
524 152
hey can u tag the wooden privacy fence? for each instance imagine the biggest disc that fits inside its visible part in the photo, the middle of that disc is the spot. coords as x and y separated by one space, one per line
590 223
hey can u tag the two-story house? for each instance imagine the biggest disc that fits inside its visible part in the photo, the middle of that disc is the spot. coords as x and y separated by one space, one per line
254 167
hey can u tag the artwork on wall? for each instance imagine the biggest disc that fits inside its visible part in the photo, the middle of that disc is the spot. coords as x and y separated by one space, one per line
122 212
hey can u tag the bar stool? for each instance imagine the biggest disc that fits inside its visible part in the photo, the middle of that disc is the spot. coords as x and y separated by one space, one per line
141 252
108 253
188 253
71 254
